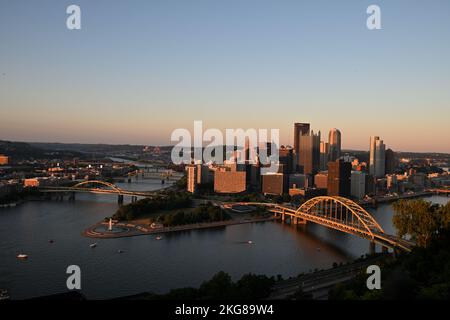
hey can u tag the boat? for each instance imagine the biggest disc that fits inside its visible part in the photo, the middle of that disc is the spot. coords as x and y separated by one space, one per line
4 295
22 256
249 241
93 245
158 238
51 241
119 251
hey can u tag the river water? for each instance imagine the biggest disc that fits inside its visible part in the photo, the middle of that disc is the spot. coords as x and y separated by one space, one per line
146 264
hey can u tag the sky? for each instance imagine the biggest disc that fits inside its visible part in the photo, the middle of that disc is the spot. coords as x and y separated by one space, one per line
137 70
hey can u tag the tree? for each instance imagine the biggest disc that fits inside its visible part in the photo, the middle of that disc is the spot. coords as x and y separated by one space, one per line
418 218
219 287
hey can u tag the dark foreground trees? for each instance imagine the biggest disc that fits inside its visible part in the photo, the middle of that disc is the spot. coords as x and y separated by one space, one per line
422 274
221 286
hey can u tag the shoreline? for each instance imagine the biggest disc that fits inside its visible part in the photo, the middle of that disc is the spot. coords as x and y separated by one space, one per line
132 230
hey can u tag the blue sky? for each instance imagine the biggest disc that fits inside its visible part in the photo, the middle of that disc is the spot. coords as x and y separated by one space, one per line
139 69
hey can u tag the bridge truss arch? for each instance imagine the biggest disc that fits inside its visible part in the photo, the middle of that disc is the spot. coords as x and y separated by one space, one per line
98 182
342 213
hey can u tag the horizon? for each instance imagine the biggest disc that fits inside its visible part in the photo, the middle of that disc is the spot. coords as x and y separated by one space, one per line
169 146
137 71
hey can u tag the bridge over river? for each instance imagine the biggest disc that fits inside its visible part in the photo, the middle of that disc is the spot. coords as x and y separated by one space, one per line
337 213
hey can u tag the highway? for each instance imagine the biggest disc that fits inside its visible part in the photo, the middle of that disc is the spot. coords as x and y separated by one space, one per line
320 282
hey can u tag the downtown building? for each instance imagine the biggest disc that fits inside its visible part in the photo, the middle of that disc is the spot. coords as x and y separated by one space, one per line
334 142
358 184
230 178
274 183
339 173
300 129
309 153
377 157
324 155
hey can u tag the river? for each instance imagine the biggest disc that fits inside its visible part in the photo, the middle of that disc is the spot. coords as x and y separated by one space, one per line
146 264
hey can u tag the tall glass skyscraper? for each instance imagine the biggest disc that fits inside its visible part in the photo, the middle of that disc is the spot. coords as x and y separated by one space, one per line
334 140
377 157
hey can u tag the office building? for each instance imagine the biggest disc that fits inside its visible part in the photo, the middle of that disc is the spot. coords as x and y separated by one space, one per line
390 161
274 183
358 184
339 173
286 158
191 171
324 155
392 182
334 140
229 180
377 157
309 157
299 130
298 181
321 180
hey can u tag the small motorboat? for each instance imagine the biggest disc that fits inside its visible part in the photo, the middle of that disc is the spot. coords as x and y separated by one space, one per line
249 241
4 295
158 238
119 251
22 256
93 245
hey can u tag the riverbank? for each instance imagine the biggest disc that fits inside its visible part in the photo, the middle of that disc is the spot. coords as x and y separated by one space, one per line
100 230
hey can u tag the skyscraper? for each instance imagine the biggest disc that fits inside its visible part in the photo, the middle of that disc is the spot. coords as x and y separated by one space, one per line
309 157
324 155
377 157
339 173
286 156
391 161
334 140
299 130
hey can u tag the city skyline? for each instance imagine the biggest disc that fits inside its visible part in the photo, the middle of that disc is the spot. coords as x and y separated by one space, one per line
229 64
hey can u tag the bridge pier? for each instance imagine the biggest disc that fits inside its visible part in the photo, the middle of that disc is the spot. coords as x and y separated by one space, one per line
120 199
133 199
283 217
372 248
384 249
72 196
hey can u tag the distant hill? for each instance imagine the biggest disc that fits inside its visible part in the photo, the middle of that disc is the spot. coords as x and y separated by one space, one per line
18 151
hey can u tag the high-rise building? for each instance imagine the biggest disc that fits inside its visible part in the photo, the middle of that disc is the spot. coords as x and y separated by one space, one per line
339 173
198 175
309 157
358 184
391 182
229 180
286 158
298 181
390 162
274 183
192 178
321 180
334 140
299 130
324 155
377 157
